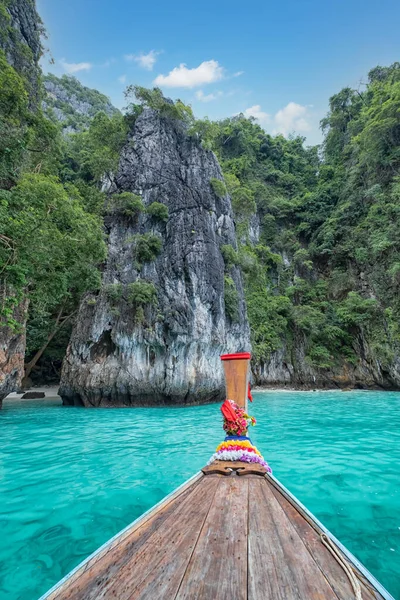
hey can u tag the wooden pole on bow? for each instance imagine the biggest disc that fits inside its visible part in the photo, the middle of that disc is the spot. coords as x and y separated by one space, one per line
237 371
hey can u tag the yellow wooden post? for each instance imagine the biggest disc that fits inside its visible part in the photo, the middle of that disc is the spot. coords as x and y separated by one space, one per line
236 367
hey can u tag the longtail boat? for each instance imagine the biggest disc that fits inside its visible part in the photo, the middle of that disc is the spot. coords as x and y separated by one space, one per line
231 532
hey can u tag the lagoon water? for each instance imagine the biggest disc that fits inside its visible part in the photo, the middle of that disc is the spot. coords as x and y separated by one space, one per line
71 478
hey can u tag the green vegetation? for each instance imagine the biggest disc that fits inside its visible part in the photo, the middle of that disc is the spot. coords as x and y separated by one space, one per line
141 294
327 267
113 292
229 255
51 235
50 249
231 298
138 295
27 140
158 211
218 187
51 203
322 269
14 44
93 155
79 105
127 204
146 246
155 99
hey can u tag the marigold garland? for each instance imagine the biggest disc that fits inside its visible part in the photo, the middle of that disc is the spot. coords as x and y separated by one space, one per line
236 446
239 450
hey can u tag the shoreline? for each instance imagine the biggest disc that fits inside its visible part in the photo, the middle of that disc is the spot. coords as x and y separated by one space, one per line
278 388
50 393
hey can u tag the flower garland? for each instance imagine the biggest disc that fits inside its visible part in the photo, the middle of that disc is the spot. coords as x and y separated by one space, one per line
239 450
236 446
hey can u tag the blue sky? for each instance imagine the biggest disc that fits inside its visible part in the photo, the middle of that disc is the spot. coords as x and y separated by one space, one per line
278 61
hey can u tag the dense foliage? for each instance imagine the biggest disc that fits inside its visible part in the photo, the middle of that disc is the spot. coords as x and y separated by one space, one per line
51 234
317 228
143 97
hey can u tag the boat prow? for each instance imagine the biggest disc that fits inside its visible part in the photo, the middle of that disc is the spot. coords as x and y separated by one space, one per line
232 532
238 535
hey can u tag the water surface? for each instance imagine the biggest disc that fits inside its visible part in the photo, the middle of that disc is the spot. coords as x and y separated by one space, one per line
71 478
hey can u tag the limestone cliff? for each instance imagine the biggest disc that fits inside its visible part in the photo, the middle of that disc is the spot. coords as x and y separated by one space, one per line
128 349
12 351
20 39
20 31
289 365
71 104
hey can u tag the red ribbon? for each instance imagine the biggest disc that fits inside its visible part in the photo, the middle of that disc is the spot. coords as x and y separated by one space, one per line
249 396
228 411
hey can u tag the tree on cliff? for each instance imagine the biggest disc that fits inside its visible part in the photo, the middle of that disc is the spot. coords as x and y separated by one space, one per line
317 228
50 244
52 249
331 215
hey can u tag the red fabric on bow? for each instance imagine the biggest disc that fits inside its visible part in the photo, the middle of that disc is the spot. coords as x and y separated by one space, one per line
249 395
228 411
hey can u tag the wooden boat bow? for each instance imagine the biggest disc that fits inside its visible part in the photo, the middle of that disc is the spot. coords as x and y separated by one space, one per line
232 532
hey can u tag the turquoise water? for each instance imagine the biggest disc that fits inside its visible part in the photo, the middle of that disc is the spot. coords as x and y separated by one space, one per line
71 478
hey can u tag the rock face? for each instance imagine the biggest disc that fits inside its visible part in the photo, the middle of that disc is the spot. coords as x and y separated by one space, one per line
21 29
289 367
12 352
168 353
72 104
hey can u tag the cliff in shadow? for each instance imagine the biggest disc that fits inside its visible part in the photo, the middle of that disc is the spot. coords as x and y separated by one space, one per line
20 51
20 40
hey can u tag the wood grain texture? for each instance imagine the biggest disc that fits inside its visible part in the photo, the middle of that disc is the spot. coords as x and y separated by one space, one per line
221 538
280 566
169 547
333 572
97 580
237 377
218 567
116 554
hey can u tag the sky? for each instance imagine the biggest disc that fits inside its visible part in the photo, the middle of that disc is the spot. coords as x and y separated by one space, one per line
277 61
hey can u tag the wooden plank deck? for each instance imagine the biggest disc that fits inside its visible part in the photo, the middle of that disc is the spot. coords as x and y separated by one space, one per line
221 538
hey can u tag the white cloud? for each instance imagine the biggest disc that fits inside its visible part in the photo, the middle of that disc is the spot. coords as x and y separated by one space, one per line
238 74
122 79
75 67
255 111
145 61
200 95
292 118
207 72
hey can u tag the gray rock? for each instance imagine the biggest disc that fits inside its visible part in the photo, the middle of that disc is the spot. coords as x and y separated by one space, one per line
21 28
288 366
72 104
22 45
12 351
174 356
33 395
